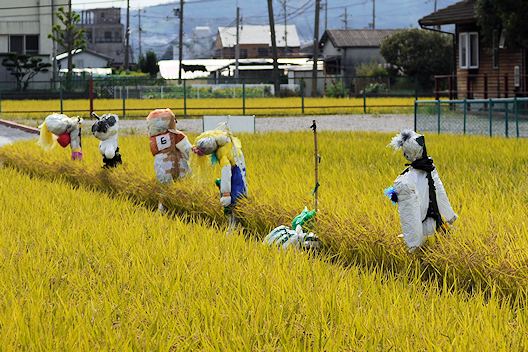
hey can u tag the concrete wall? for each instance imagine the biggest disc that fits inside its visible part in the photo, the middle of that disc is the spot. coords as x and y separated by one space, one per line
27 21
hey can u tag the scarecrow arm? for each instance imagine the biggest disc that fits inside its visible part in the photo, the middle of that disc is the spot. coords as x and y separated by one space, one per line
443 202
225 183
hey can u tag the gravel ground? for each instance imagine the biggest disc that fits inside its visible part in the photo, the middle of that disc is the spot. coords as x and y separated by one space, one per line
9 135
382 123
377 123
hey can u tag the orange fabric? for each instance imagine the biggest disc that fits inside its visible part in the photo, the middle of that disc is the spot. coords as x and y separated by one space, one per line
164 114
175 138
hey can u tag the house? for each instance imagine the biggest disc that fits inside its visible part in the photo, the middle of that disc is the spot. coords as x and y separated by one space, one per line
24 30
484 69
255 42
343 50
105 34
83 59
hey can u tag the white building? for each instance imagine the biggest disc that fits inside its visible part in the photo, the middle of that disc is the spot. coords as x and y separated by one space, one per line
83 59
24 29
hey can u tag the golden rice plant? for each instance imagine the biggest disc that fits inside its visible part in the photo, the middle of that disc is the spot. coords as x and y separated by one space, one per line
81 271
15 109
484 177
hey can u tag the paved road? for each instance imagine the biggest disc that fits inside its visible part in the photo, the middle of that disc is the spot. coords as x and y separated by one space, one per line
9 135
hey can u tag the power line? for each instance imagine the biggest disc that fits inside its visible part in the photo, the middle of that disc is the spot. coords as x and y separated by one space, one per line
55 5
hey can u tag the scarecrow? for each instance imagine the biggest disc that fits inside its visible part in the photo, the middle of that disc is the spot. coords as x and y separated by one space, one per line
106 129
423 204
226 150
170 147
61 129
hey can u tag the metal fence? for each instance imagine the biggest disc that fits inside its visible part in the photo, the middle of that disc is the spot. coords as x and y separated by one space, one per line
506 117
132 96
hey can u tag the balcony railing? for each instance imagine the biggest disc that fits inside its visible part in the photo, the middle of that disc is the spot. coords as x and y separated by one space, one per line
481 86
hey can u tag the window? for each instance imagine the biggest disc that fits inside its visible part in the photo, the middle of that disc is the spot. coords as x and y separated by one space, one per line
89 37
263 52
108 36
16 44
24 44
32 44
332 66
468 50
243 53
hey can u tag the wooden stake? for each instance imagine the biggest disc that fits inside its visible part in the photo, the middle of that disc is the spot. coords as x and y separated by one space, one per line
317 160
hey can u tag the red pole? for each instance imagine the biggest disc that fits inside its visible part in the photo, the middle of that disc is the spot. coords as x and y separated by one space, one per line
91 95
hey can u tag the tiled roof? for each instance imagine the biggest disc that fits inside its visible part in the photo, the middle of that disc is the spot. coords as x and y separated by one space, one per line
347 38
460 12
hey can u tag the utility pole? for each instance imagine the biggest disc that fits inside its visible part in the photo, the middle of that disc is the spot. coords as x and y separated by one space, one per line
180 44
345 19
315 47
54 45
435 5
326 15
139 32
127 37
69 44
284 2
274 48
373 14
237 46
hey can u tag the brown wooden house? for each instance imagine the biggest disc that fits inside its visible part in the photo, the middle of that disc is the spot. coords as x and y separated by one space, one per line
483 69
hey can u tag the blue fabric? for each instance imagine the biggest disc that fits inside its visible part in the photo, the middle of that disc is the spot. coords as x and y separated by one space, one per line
238 188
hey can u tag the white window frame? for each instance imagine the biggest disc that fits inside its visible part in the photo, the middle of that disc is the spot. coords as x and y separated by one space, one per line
464 42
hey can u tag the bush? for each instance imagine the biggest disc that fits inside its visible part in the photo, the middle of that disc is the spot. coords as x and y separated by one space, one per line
336 90
372 69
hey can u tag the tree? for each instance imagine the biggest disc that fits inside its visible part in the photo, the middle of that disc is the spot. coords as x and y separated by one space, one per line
149 63
67 34
24 68
419 54
504 16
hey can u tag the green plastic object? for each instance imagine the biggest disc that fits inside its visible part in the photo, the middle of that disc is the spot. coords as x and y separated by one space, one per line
301 219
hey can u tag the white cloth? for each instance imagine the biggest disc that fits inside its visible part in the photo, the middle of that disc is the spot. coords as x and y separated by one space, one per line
413 201
108 147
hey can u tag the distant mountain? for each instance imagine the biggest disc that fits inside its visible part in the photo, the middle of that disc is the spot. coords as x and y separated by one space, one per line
160 25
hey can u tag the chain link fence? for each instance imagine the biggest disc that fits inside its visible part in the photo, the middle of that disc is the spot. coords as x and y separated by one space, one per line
505 117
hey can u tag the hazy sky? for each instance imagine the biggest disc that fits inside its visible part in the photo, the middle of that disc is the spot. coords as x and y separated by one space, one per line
143 3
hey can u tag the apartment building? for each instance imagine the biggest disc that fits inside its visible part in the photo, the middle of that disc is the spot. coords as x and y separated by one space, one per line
24 29
105 34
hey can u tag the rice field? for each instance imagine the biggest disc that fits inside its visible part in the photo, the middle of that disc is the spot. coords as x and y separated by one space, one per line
24 109
84 271
485 179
